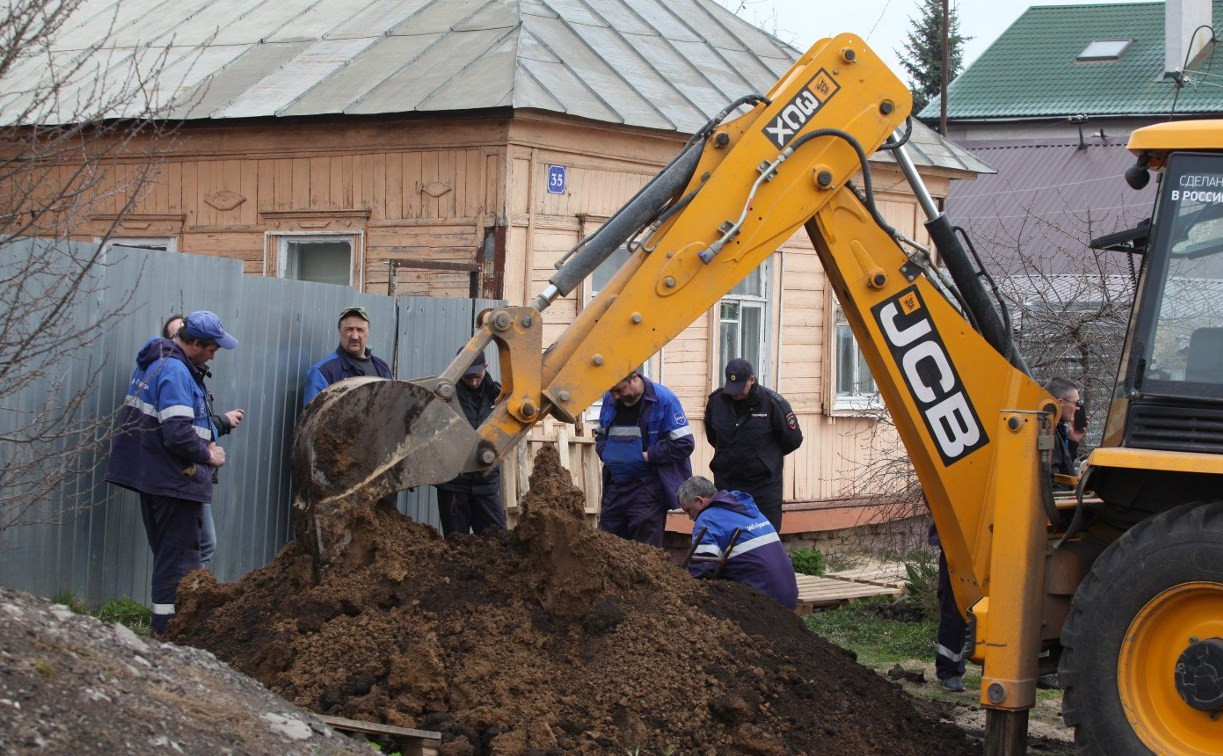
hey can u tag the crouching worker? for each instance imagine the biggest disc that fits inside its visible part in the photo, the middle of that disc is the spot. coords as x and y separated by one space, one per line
756 556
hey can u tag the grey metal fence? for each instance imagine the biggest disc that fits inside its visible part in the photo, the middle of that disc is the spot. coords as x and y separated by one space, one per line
99 551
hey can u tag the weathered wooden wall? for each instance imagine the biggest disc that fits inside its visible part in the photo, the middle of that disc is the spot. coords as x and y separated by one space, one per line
431 191
406 190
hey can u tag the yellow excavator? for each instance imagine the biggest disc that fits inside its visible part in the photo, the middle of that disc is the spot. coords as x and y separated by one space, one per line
1119 587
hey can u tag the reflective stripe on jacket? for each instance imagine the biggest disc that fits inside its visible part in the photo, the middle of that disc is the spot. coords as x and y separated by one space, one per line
165 426
757 558
668 438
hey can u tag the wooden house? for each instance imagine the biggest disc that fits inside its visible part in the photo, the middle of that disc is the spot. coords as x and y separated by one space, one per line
460 147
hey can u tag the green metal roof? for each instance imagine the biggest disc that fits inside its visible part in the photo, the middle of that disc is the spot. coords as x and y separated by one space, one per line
1032 71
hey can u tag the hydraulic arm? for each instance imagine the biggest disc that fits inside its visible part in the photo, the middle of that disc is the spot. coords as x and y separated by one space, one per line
975 425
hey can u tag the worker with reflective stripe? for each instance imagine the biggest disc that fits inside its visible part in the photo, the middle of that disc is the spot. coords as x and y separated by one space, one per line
733 540
165 450
644 441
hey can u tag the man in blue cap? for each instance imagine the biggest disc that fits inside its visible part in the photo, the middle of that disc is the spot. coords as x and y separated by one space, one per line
165 450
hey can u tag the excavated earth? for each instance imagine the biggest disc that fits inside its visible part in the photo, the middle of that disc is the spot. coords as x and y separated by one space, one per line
551 638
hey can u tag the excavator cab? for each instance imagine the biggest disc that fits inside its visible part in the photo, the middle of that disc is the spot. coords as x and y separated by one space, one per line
1142 645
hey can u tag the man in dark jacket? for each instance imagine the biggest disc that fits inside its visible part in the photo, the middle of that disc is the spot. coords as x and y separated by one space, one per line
1066 437
644 441
751 429
351 358
756 556
166 451
471 503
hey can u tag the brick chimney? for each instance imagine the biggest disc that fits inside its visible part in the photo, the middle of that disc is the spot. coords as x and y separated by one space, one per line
1181 19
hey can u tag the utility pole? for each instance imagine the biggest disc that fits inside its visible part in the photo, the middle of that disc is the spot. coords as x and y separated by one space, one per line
942 100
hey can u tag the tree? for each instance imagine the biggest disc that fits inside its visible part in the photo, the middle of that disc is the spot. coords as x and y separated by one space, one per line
80 135
922 58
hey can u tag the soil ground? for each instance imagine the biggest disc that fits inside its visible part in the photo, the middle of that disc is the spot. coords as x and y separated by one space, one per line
70 683
552 638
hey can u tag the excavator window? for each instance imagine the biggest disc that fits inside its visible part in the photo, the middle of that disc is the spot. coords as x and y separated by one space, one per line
1182 300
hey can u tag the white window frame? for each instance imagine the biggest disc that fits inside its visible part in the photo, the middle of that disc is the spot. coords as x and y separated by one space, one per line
857 403
278 243
169 242
763 302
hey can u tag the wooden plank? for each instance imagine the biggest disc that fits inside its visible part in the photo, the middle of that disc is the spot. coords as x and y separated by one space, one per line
406 739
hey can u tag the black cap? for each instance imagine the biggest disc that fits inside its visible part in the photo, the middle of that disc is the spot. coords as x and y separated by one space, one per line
738 371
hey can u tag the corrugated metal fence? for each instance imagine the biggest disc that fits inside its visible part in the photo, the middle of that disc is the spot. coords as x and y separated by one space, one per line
100 551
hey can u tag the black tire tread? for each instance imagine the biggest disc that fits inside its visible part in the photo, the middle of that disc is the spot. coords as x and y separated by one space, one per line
1187 520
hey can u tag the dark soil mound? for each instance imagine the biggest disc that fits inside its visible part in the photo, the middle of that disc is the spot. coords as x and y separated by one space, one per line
553 637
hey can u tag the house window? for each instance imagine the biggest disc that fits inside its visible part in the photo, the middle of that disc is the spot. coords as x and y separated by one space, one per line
854 387
743 317
322 258
153 243
601 276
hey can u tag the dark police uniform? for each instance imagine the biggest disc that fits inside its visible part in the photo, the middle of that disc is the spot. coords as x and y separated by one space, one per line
750 437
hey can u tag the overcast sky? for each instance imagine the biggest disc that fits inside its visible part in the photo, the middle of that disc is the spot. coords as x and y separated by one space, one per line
882 23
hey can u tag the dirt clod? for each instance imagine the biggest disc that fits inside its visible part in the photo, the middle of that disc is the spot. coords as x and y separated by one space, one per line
552 638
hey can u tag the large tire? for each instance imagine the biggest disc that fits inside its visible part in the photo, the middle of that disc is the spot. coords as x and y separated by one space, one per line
1154 592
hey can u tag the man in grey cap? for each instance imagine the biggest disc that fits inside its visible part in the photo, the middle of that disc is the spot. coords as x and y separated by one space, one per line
471 503
751 429
165 450
351 358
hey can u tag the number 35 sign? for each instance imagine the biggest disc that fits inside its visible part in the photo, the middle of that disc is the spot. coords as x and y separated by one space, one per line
556 179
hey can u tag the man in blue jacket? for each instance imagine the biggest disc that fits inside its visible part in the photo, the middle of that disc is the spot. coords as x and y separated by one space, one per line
756 557
644 441
165 450
351 358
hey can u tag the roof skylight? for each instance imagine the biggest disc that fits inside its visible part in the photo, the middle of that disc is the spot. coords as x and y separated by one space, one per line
1104 49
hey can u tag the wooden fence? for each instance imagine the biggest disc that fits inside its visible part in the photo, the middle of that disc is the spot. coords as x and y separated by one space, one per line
577 452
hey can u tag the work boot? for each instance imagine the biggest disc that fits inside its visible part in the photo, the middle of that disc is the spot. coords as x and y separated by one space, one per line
953 684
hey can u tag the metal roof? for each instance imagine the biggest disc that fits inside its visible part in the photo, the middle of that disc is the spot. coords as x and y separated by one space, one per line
1048 200
1032 69
658 64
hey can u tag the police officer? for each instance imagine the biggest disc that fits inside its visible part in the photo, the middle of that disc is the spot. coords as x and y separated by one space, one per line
751 429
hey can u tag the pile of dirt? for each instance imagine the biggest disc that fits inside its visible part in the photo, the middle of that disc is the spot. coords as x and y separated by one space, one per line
70 683
551 638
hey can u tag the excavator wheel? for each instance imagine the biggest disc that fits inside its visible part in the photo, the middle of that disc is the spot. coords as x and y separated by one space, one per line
1143 645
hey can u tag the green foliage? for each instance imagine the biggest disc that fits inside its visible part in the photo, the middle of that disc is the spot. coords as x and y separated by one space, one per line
808 562
878 642
70 600
922 58
922 585
127 611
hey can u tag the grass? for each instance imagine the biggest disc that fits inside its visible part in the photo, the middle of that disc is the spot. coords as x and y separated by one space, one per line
882 643
878 642
126 611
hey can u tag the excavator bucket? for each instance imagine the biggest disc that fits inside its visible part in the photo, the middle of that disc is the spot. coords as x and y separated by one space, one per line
363 439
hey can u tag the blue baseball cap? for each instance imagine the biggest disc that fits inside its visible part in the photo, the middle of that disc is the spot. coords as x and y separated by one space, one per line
205 325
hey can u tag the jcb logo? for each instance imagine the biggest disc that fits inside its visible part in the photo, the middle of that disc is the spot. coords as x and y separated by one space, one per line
801 108
933 381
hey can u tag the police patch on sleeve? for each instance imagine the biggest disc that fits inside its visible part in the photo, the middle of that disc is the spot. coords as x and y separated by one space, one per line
791 421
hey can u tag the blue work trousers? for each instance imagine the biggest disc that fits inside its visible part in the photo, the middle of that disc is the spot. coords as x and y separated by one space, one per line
632 510
173 529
